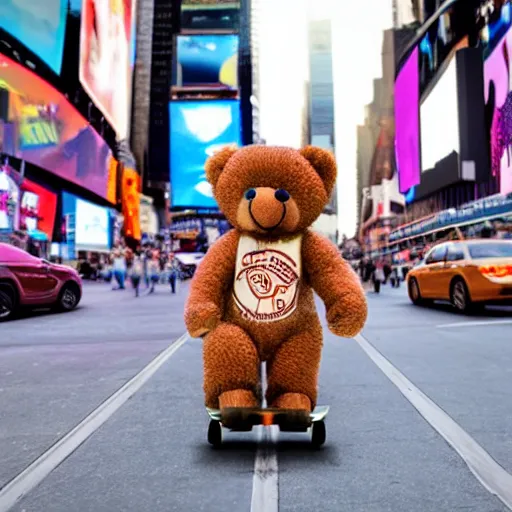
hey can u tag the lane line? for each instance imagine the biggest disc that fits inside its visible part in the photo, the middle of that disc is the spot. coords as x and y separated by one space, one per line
265 480
475 324
265 483
34 474
489 473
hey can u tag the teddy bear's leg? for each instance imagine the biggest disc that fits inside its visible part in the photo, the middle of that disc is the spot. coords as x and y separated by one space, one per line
293 371
231 368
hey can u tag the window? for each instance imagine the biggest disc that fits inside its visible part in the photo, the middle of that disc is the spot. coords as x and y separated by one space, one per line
455 253
491 250
436 255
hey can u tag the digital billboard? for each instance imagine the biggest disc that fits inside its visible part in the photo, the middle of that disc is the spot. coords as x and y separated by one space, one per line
207 60
498 100
106 58
407 123
198 130
87 225
39 25
38 207
439 114
44 128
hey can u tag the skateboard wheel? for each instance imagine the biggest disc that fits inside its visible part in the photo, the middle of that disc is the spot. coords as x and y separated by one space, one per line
318 434
215 433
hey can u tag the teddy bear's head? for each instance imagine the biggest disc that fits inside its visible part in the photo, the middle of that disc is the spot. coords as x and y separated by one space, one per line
271 191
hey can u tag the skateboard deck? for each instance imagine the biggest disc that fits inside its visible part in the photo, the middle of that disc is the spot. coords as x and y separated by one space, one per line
242 420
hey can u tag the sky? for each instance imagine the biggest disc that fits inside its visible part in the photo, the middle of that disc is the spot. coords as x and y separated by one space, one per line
357 32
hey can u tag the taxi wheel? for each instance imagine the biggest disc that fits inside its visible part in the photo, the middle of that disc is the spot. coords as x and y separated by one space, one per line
459 296
414 292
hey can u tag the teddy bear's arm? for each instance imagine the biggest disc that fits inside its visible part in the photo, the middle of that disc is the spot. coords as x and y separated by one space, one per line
205 303
334 280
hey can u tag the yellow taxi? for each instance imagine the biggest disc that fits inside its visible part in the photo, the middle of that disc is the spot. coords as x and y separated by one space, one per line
468 273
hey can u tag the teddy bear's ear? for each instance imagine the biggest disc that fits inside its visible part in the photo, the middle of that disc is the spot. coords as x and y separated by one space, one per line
216 163
324 164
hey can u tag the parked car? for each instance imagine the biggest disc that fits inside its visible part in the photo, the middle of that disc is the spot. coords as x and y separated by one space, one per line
468 273
28 281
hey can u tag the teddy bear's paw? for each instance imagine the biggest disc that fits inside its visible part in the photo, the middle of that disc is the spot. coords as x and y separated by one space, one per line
238 398
293 401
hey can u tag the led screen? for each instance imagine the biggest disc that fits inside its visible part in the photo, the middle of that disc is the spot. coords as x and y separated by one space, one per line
43 128
91 225
106 58
9 199
407 123
38 207
199 128
208 60
498 99
39 25
439 116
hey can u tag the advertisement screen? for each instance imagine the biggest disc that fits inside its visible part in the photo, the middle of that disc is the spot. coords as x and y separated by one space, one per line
38 207
498 100
10 182
407 123
208 60
91 225
199 129
439 116
106 55
43 128
39 25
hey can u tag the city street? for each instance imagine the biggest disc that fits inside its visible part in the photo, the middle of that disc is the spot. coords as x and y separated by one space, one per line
389 448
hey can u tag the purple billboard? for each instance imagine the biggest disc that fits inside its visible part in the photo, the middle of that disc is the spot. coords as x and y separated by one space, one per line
407 123
498 100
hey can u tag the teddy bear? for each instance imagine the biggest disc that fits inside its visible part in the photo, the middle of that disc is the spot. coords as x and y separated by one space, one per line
252 296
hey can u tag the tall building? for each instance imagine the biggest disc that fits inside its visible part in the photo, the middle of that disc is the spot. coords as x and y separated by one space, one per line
321 117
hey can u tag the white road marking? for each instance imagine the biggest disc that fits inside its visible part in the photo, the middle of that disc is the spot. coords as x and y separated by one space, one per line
475 324
265 483
34 474
490 474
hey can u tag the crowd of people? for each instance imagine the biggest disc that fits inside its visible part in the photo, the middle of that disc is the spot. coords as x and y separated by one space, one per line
147 266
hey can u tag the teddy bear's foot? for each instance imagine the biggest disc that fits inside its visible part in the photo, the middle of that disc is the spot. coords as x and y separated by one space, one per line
238 398
293 402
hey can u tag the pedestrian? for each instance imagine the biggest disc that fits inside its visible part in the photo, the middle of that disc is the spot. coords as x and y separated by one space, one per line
136 274
119 269
153 270
173 269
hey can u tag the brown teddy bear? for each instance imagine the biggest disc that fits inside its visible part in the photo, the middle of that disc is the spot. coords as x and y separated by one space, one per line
252 295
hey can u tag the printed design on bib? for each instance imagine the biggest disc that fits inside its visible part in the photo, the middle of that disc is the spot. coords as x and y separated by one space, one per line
266 285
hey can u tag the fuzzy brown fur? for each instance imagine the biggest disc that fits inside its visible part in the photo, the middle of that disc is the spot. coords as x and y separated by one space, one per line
234 345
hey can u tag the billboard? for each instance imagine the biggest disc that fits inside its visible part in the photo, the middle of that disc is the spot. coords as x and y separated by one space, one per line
407 123
199 129
207 60
39 25
106 58
439 114
44 128
498 101
38 207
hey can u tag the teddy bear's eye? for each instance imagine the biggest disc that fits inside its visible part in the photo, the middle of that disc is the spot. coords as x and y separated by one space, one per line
250 194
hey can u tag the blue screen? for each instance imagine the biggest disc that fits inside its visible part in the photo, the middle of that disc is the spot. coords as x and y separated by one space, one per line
198 129
208 60
39 24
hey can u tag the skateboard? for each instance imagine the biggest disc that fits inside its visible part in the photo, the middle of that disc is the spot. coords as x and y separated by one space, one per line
242 420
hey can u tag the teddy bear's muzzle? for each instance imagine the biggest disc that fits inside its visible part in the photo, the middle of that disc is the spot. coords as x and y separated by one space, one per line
267 207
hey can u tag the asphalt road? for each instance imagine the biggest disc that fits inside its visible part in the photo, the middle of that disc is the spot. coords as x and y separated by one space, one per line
152 454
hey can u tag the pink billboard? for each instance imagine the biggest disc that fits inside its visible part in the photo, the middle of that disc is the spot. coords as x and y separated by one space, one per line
498 99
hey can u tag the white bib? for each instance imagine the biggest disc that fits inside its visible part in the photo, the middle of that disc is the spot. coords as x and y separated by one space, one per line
267 278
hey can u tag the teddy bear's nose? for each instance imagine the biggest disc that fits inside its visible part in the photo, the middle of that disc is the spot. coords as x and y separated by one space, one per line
250 194
281 195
